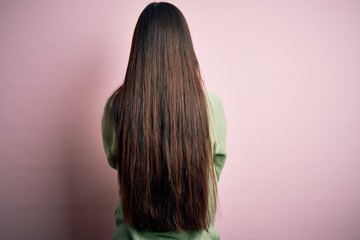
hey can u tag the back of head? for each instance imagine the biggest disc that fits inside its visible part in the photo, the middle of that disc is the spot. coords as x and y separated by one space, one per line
166 176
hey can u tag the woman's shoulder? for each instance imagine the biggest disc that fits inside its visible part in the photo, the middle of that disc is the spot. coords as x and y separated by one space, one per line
109 105
214 101
110 99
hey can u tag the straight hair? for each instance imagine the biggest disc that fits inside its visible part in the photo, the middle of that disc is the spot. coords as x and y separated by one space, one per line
164 153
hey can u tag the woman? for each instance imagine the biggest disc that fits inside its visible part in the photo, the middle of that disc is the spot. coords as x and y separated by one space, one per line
164 134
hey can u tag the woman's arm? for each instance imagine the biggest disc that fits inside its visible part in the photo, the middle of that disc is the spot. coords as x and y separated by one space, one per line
109 134
220 132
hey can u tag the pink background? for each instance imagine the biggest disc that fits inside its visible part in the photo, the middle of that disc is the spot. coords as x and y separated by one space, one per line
288 73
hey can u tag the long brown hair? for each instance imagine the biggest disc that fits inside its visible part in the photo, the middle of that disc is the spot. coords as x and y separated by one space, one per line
167 181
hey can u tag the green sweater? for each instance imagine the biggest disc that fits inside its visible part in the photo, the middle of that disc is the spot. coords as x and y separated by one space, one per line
218 141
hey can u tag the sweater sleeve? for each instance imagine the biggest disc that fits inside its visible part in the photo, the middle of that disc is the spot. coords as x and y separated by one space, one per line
109 133
219 126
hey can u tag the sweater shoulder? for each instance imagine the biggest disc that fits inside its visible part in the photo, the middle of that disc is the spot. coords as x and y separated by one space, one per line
214 102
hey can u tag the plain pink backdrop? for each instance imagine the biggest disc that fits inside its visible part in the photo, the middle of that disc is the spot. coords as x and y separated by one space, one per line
288 73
